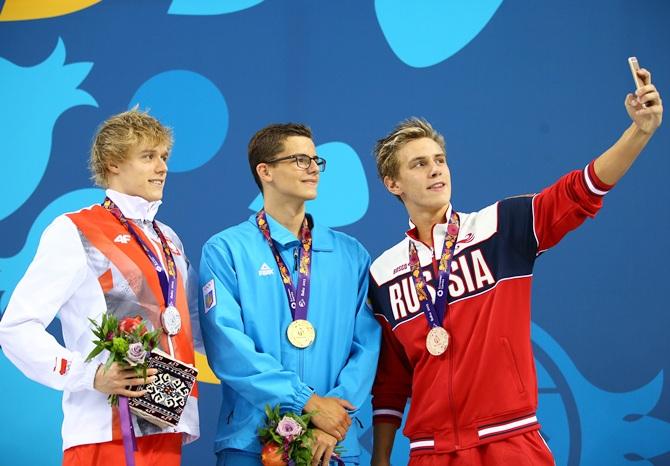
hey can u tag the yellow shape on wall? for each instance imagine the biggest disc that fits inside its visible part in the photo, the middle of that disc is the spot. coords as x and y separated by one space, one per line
205 373
22 10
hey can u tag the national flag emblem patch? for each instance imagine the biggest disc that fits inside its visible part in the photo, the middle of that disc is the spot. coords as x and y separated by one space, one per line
62 366
209 295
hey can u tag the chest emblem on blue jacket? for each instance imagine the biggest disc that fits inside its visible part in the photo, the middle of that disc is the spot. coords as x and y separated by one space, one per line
265 270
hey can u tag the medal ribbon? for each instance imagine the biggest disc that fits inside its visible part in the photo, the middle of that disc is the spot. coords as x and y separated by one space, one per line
167 278
298 296
435 312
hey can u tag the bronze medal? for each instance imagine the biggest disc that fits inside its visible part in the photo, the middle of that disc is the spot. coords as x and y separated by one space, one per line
437 341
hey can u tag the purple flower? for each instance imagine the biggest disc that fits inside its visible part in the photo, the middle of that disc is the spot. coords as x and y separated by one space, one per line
288 428
135 354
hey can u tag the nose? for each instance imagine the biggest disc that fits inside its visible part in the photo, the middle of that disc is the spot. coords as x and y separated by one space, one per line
435 169
313 167
161 166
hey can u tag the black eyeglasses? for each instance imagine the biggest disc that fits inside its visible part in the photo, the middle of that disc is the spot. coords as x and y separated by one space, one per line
303 161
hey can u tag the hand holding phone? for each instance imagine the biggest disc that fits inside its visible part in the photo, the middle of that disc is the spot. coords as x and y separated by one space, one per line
634 67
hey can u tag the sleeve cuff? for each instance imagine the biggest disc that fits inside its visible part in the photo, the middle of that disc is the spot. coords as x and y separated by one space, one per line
83 377
387 416
300 399
594 184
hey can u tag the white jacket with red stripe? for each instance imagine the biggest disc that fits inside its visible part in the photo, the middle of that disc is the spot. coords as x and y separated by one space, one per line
484 387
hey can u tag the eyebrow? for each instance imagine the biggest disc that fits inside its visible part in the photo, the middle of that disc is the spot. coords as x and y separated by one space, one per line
424 157
154 151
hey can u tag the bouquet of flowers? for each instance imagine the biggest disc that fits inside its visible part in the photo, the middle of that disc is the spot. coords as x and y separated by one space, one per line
128 342
286 439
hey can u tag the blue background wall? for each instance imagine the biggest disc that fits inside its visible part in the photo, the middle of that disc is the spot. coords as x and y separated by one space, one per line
523 90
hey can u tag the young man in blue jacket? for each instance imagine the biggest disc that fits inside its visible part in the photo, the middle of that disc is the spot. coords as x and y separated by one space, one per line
284 315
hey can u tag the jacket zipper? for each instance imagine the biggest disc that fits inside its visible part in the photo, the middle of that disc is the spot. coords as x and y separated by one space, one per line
450 349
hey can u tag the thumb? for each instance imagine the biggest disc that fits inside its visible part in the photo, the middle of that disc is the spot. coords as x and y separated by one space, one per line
345 404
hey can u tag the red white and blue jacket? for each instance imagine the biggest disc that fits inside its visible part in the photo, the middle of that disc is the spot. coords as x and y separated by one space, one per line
484 387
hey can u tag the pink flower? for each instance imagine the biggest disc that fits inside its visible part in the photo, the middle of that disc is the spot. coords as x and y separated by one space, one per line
288 428
136 354
452 229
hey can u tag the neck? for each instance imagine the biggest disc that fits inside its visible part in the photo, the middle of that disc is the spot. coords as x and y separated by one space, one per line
289 213
425 219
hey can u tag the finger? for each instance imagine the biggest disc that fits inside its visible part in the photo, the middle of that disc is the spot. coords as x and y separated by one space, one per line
644 75
130 393
140 381
345 404
655 110
131 373
328 454
650 98
631 101
645 89
317 454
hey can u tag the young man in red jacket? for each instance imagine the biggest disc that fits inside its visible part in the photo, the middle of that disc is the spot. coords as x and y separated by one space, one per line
453 299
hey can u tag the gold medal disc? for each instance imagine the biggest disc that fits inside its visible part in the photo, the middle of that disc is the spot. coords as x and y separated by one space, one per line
301 333
437 341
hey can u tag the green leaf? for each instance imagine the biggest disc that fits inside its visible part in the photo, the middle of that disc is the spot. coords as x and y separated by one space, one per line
96 351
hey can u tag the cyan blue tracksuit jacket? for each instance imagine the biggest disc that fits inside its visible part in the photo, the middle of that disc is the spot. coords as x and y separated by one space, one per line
244 315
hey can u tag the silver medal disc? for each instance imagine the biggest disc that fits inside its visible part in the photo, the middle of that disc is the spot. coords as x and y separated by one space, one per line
437 341
171 320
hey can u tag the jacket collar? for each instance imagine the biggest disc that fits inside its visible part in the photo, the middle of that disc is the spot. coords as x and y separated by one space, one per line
439 230
321 236
134 207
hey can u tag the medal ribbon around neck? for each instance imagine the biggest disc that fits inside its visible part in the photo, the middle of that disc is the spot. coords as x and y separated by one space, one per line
167 278
435 312
298 296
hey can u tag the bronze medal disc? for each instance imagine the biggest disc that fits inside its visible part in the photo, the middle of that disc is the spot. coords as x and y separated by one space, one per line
301 333
437 341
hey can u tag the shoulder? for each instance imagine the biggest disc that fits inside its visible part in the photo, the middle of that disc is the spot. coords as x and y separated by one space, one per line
64 224
341 243
391 263
347 241
240 233
232 241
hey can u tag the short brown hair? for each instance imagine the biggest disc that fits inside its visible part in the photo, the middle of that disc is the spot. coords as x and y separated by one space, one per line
269 141
408 130
117 134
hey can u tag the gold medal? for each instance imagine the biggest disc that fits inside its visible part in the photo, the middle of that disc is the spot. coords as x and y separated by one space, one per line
301 333
437 341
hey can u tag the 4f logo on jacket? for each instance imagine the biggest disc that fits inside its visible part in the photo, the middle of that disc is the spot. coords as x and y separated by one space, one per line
123 239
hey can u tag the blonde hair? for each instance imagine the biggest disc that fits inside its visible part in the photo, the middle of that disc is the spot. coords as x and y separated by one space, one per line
387 148
118 134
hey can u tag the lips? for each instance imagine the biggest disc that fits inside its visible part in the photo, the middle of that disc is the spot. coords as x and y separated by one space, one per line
157 182
437 186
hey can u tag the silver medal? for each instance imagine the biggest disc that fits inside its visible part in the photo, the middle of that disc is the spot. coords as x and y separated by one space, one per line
171 320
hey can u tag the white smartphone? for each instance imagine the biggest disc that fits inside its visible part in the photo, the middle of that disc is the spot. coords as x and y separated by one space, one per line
634 66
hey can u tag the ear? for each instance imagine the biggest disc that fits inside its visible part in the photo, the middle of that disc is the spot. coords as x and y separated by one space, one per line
392 186
264 173
113 168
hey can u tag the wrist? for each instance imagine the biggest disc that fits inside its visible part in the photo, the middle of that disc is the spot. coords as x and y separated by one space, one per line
637 132
311 403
